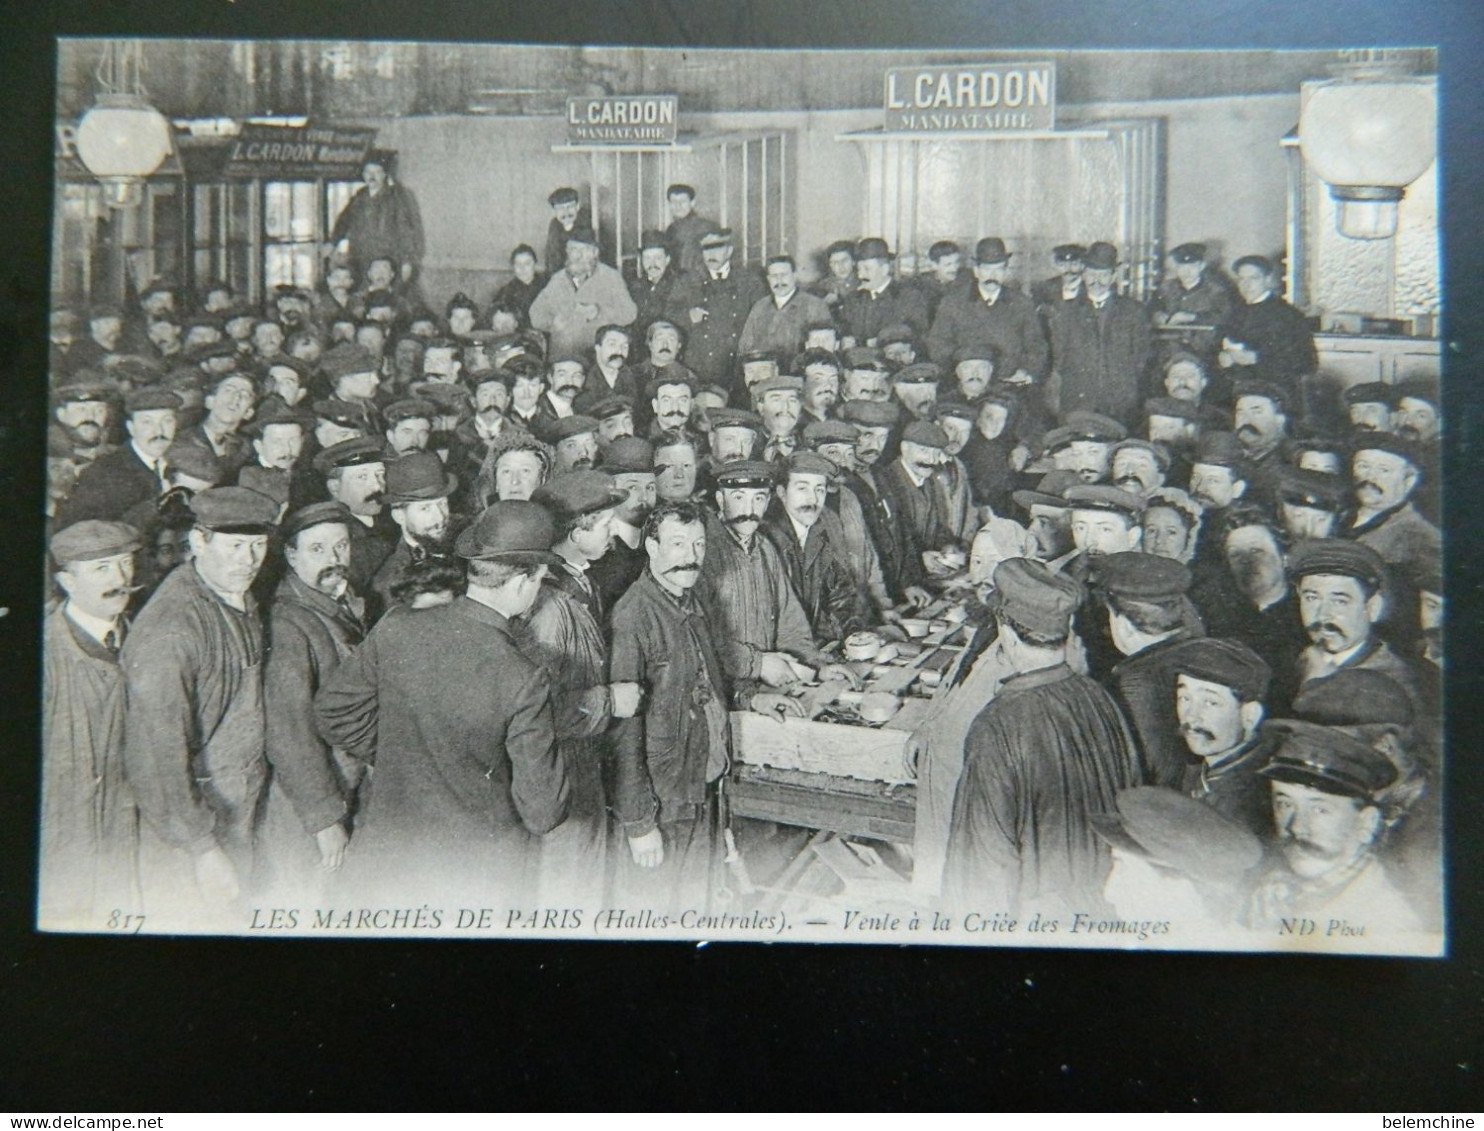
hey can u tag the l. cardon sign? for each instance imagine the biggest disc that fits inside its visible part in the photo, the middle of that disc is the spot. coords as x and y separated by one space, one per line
972 98
627 119
298 152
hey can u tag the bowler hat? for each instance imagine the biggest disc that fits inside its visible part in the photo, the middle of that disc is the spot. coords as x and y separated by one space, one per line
956 409
1031 595
563 195
872 247
416 477
1181 833
1398 446
991 249
584 235
83 388
1227 662
977 351
1158 452
894 334
1419 388
274 411
778 383
734 418
411 409
518 531
1371 392
271 481
238 510
614 404
863 357
568 426
1101 256
1140 577
628 454
653 238
926 433
91 539
1068 252
1325 758
576 493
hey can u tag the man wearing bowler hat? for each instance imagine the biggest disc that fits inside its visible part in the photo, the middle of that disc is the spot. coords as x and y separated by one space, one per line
992 312
563 633
315 621
582 296
456 724
1100 345
1050 750
132 474
194 724
879 300
1193 300
1325 787
89 823
417 494
716 298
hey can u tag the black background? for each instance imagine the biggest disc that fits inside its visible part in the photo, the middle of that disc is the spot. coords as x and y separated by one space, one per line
148 1024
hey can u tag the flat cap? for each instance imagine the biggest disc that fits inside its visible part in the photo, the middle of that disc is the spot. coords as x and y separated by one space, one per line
1267 389
1371 392
991 249
347 358
871 414
1338 557
735 418
818 432
1325 758
196 460
1101 497
347 414
446 398
569 426
414 408
92 539
615 404
926 433
746 473
271 481
563 195
1179 832
1221 449
1261 262
1159 452
1188 253
1141 577
1227 662
779 383
918 373
1354 697
1174 407
315 514
628 455
672 374
1398 446
417 477
235 509
895 334
873 247
805 462
350 453
1068 252
148 400
863 357
576 493
1420 389
1080 425
1051 491
1101 256
1317 489
719 238
83 389
513 530
977 351
1032 595
957 409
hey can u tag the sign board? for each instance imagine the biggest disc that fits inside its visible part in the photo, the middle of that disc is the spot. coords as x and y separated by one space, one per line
972 98
643 119
298 153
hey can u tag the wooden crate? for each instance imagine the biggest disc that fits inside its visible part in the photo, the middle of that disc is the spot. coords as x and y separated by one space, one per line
866 753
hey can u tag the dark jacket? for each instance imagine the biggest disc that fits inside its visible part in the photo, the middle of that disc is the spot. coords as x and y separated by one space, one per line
921 518
711 344
820 574
387 225
1144 685
657 301
1010 325
1280 336
863 316
108 487
1100 357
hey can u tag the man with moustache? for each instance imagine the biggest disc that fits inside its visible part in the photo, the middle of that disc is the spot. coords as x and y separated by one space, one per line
1066 284
456 723
574 443
777 321
1193 295
671 396
1325 787
778 402
417 493
1084 444
716 299
315 621
866 377
874 423
1309 502
526 377
839 279
132 474
835 441
89 823
1260 423
630 462
821 373
653 286
80 411
609 375
567 215
381 221
195 721
957 421
277 435
1100 345
1175 426
992 312
565 381
1387 475
615 417
1218 478
919 499
1219 690
1138 466
409 426
355 474
105 339
945 273
577 300
1048 516
1265 338
879 300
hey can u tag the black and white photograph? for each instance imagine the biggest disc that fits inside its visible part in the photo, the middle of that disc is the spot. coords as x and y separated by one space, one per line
981 497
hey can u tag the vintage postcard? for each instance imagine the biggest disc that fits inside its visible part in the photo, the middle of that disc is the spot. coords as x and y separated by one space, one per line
978 498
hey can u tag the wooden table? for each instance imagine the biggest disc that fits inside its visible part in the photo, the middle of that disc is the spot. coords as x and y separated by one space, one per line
847 806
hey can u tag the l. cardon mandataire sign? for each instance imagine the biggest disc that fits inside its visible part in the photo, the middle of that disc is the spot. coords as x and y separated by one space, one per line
297 152
647 119
972 98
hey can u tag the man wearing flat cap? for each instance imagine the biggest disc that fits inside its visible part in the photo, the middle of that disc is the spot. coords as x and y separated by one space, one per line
1049 751
1309 502
456 724
992 312
409 425
879 300
630 462
1369 406
132 474
582 296
354 373
1084 444
574 442
779 402
1220 686
89 823
777 320
1138 466
1325 786
919 499
315 621
717 298
1193 300
195 726
1387 474
1265 338
1101 345
417 495
1066 284
563 634
80 412
354 472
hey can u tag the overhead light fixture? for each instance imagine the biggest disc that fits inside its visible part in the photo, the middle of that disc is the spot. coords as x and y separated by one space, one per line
122 139
1368 133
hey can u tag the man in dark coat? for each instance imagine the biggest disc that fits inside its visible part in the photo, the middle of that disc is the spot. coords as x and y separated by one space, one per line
417 491
355 474
381 221
1066 284
880 300
456 725
1265 338
992 313
315 622
716 301
1193 295
1049 751
687 228
631 463
132 474
654 287
918 498
1100 345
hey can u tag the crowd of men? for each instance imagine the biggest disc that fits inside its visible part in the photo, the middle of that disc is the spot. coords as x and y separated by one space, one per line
356 599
